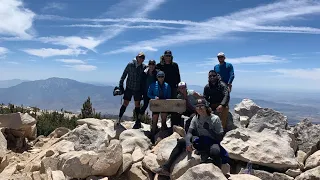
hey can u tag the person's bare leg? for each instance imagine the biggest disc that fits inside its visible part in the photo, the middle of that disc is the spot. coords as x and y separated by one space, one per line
164 121
154 125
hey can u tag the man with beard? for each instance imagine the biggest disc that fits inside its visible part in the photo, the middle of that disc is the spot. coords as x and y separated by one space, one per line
134 71
216 92
171 69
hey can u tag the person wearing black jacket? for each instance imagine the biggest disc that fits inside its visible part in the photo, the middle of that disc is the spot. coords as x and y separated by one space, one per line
171 69
148 77
216 92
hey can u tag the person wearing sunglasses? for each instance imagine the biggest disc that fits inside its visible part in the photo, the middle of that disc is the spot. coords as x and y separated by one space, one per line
225 70
159 90
171 69
205 134
149 76
217 94
132 72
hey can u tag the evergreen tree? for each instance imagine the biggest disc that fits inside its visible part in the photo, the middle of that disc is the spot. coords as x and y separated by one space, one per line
86 111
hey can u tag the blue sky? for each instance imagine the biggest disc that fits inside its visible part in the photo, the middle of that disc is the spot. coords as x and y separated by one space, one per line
272 44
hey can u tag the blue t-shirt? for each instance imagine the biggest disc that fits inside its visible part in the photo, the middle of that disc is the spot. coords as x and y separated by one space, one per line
226 72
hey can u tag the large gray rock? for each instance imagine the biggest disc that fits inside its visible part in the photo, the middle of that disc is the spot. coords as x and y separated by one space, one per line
87 139
137 172
243 177
313 160
247 108
184 162
203 172
268 118
264 148
134 138
21 122
164 148
312 174
3 146
307 134
81 164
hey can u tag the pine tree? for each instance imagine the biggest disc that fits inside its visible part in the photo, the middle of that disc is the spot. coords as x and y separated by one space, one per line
86 111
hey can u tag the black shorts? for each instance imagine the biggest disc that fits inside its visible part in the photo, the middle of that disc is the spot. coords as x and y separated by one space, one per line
128 93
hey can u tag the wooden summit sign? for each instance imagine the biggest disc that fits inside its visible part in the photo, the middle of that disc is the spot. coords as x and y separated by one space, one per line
167 105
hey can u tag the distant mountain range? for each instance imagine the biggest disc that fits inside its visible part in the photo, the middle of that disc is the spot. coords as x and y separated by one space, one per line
9 83
56 93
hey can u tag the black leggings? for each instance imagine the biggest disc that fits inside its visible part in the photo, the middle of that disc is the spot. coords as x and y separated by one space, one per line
205 150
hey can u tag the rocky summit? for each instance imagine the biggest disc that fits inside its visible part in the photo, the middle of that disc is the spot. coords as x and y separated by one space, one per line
98 150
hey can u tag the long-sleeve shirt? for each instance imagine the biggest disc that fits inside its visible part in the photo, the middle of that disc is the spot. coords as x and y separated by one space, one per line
226 72
209 126
134 73
217 93
172 73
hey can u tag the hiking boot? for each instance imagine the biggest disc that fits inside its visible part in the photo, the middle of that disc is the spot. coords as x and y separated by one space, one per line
162 170
204 157
137 126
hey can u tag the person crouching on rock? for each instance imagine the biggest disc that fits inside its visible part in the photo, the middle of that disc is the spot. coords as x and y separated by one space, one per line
205 134
159 90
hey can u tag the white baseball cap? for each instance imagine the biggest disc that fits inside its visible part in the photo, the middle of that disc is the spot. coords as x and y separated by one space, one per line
182 84
221 54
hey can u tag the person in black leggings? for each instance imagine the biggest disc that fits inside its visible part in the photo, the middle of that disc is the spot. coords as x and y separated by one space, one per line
205 134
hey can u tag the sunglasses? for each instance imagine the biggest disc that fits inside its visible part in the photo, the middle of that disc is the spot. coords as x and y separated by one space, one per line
220 57
212 75
142 57
160 77
200 107
152 64
167 55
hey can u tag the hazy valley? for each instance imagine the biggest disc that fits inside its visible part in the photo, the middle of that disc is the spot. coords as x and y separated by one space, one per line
57 93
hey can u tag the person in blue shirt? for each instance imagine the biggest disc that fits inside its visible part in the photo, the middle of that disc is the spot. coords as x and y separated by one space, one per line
225 70
159 90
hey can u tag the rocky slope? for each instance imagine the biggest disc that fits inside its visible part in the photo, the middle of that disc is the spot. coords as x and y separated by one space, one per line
97 149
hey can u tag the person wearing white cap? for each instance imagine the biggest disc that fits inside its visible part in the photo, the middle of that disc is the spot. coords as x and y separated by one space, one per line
225 70
191 97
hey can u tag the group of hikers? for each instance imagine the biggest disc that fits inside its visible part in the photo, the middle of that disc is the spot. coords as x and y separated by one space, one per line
208 112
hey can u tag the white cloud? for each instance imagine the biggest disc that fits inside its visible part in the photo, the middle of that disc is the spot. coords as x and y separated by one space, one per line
71 61
134 49
54 6
247 20
82 67
313 74
3 51
73 41
49 52
125 7
13 62
150 26
260 59
15 19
